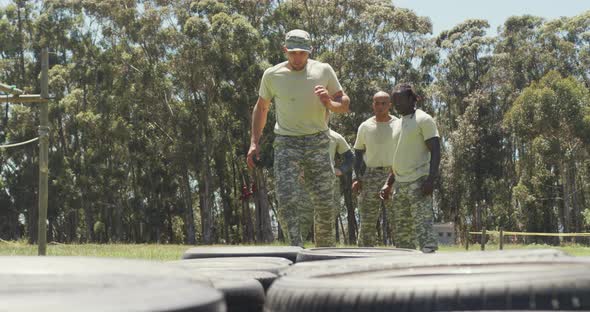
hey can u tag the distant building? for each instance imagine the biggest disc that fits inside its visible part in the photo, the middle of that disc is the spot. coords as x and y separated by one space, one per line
445 232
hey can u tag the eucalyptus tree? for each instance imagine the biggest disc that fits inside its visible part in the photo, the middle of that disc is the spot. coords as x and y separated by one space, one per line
470 122
528 49
550 122
17 123
218 65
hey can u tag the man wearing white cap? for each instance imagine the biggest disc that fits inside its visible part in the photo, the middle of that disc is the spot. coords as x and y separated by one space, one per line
304 91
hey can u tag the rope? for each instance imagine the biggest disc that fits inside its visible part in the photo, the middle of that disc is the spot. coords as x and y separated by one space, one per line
19 144
533 234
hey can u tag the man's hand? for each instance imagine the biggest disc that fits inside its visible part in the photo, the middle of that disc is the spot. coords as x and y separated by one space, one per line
254 151
428 186
323 94
385 191
338 172
357 186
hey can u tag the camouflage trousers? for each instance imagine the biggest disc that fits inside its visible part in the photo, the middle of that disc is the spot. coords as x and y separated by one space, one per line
413 216
369 205
303 177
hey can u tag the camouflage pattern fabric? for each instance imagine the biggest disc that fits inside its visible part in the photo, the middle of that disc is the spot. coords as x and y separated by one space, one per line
413 216
303 177
369 205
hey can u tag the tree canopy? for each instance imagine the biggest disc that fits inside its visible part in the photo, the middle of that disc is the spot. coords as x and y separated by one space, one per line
151 103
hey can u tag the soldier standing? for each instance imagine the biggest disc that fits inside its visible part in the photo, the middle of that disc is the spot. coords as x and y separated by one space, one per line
303 91
374 157
416 160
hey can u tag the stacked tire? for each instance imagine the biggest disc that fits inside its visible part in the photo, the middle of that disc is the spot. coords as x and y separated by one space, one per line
241 273
470 281
91 284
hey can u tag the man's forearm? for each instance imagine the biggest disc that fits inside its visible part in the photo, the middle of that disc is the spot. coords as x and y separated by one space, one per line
433 145
348 162
259 115
340 104
358 163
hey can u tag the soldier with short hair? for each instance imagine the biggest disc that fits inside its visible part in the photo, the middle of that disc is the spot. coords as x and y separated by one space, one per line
374 156
416 160
303 90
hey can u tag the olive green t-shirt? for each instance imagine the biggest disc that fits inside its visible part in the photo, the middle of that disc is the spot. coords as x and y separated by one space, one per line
411 157
298 110
376 139
337 145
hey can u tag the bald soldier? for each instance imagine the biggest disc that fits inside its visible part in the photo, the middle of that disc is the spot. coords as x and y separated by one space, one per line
374 157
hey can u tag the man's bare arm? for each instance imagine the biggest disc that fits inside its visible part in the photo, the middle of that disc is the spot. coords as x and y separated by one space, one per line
433 145
339 102
259 115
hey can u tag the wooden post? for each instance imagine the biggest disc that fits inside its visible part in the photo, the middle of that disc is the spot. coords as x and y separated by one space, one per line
501 239
43 154
467 239
483 239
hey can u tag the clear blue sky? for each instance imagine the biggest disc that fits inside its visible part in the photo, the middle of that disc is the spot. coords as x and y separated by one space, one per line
445 14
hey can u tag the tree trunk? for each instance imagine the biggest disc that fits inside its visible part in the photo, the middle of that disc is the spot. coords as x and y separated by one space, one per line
21 52
205 183
247 226
117 228
263 227
225 194
280 234
566 190
32 222
574 196
189 218
206 204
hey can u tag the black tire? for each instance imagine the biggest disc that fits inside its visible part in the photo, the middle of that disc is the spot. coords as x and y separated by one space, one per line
434 283
315 254
242 290
87 284
241 295
268 264
348 265
287 252
263 277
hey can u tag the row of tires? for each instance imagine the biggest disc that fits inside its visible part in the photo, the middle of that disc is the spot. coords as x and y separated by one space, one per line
277 279
389 279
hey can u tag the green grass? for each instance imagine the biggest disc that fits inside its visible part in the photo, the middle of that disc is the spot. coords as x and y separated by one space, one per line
174 252
572 249
139 251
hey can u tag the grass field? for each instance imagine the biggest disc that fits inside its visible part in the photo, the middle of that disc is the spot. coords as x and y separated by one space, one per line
174 252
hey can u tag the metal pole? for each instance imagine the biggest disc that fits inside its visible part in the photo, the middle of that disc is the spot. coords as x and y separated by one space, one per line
43 154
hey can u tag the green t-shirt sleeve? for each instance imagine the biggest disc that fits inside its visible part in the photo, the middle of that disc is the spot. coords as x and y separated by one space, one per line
428 127
359 144
265 90
333 83
342 146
